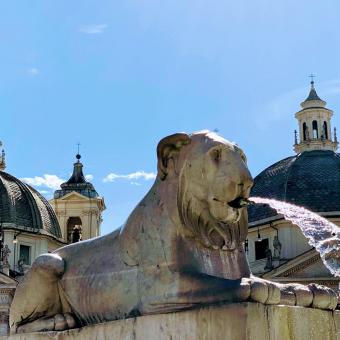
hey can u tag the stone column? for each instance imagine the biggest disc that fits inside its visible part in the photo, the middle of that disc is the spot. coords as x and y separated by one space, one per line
86 219
94 223
62 222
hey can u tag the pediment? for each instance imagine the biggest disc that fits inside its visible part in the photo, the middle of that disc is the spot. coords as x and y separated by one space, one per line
7 280
305 266
74 196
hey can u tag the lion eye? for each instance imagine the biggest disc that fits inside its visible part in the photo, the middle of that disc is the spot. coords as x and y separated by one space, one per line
216 154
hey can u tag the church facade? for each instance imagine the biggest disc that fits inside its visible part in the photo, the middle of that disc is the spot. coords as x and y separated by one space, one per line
277 249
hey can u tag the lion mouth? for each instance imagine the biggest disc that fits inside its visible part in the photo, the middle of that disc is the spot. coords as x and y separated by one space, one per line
237 203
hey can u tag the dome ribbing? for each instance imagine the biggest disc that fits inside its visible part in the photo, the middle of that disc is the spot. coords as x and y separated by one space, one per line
310 179
22 207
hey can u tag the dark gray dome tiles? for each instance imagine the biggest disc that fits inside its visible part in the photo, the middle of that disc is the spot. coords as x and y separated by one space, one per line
310 179
22 207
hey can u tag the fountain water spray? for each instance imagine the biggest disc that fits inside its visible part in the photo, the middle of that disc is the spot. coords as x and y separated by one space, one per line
321 233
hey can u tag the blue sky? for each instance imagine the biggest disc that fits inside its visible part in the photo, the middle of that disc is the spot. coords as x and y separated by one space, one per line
117 76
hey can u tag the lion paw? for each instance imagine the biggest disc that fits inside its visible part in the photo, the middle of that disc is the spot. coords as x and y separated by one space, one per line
323 297
59 322
312 295
272 293
263 291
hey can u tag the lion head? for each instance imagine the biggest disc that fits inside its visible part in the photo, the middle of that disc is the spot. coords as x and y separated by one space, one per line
212 175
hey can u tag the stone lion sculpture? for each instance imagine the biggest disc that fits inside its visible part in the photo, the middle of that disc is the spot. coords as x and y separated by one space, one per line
182 247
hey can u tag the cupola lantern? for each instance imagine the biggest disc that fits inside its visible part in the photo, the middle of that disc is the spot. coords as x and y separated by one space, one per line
314 125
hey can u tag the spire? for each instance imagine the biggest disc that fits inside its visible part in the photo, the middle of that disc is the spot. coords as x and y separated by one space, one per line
77 182
77 175
2 158
312 93
313 100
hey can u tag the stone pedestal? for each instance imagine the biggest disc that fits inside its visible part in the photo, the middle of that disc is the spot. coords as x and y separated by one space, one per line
7 289
239 321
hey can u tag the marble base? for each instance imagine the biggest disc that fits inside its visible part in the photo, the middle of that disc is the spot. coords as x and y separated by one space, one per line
239 321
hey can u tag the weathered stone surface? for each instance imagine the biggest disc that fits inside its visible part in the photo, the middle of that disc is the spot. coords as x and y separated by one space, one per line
241 321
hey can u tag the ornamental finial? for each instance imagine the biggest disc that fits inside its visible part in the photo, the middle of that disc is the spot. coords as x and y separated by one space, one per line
78 156
335 137
312 76
2 158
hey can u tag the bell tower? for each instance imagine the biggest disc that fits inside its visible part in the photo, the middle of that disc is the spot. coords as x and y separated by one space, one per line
78 207
314 125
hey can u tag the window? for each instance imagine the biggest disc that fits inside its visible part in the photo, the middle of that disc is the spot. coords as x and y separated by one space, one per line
304 127
25 255
260 249
325 131
74 230
315 129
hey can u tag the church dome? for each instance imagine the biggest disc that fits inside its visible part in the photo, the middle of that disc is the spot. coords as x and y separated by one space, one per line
23 208
310 179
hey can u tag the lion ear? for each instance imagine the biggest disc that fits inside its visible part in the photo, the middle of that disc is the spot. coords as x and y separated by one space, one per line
167 149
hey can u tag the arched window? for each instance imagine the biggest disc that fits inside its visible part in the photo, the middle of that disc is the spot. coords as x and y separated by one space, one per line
304 128
315 129
325 130
74 230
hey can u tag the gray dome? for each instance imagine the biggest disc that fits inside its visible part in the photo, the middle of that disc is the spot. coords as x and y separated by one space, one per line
23 208
310 179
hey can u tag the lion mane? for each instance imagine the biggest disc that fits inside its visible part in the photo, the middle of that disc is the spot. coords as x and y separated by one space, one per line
204 228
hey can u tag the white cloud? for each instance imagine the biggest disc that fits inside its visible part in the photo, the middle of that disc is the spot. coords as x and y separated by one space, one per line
93 29
89 177
135 183
49 181
33 71
133 176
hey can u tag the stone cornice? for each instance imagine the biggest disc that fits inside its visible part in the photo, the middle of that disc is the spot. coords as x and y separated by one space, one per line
327 281
288 269
300 266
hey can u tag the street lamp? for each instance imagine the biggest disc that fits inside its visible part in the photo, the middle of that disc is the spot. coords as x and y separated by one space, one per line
15 241
259 238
